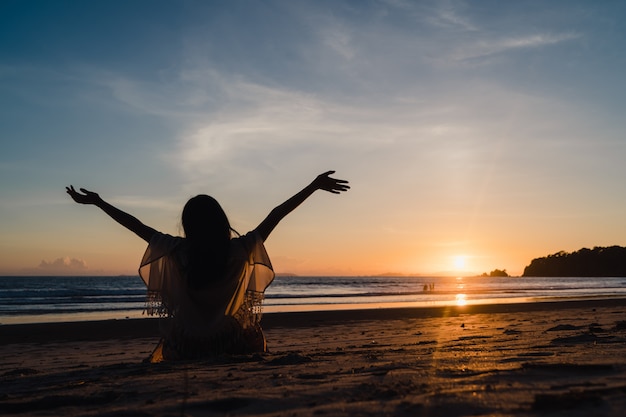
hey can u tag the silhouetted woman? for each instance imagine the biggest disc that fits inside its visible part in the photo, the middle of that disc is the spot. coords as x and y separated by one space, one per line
208 284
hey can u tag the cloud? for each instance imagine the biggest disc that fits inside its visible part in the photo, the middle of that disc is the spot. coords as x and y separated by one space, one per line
451 32
481 48
338 39
161 203
63 264
447 17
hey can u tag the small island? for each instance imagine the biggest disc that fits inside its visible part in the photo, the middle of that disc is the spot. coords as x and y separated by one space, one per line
496 273
597 262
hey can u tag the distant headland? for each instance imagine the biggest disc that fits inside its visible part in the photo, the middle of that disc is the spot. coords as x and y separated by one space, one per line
597 262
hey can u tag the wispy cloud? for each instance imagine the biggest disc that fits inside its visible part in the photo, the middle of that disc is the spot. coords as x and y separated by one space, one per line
258 129
338 39
161 203
447 15
482 48
169 99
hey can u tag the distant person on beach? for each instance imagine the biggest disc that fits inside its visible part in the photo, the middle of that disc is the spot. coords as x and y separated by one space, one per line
209 284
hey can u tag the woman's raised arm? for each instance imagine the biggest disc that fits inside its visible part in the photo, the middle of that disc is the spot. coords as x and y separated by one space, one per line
131 223
321 182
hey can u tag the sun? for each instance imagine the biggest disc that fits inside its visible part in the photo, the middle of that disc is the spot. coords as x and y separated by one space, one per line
459 262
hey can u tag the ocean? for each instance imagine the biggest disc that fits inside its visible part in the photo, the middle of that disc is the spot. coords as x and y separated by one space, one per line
53 299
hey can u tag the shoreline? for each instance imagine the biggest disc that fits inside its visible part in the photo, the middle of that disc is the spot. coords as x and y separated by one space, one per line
148 327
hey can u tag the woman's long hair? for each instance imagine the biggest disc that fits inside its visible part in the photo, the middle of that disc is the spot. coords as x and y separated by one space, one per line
207 231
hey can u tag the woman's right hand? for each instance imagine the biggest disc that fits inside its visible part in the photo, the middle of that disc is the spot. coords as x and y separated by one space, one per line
88 197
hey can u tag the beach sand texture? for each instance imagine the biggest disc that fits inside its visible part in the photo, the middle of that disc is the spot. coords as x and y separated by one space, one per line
557 359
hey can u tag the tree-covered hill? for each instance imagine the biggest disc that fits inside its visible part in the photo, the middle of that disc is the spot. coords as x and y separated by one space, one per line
597 262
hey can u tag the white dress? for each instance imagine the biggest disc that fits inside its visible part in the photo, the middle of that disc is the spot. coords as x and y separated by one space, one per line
222 317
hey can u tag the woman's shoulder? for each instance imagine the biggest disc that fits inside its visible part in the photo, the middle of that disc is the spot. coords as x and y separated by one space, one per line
165 241
247 241
250 238
160 245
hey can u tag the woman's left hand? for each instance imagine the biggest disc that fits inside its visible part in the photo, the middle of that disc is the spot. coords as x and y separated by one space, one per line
332 185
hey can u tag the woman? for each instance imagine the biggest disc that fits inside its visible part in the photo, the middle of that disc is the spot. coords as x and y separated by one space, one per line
208 285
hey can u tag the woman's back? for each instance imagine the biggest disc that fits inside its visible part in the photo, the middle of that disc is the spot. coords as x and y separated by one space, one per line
217 317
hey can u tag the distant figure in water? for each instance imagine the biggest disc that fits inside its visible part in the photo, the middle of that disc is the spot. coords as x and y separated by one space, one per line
209 284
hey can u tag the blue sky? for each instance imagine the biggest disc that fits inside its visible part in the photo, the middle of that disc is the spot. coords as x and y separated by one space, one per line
488 131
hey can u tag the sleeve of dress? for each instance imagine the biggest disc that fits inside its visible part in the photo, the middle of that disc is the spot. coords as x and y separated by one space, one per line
159 272
257 274
262 273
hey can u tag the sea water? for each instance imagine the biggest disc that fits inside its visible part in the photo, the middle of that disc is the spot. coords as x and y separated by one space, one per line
47 299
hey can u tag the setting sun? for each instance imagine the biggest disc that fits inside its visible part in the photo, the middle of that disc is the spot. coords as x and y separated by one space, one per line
459 262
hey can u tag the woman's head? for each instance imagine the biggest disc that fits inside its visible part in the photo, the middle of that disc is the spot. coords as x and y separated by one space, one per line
204 219
208 234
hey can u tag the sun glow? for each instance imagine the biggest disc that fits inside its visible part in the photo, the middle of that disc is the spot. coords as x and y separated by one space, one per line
459 262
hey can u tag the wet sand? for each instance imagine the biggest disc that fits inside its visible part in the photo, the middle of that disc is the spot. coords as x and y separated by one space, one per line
534 359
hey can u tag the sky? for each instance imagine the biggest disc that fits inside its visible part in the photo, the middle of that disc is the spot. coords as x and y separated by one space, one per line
475 135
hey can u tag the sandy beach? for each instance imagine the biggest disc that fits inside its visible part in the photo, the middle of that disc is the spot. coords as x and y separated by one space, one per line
559 358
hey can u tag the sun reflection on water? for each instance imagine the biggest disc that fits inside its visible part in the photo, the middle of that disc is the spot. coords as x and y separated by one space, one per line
460 285
461 300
